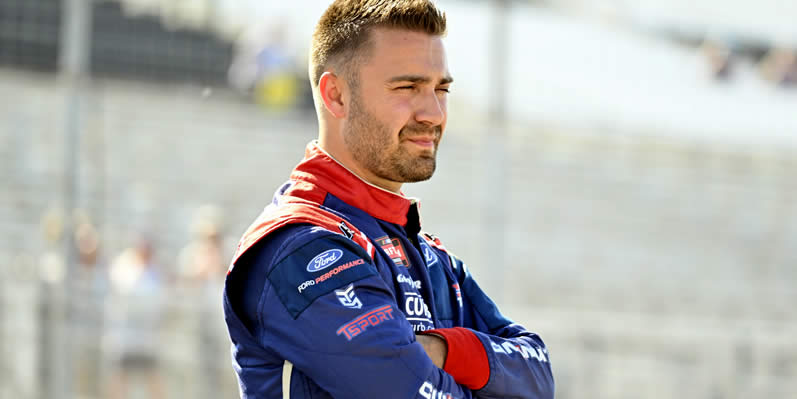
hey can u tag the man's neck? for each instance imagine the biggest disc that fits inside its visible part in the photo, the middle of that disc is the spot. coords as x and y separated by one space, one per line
348 162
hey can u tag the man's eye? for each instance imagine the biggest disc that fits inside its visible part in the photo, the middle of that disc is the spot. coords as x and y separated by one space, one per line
405 87
446 90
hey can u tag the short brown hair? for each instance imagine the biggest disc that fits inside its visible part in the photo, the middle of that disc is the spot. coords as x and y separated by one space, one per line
343 29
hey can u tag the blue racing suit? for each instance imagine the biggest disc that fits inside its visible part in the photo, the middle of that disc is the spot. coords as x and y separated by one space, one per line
331 284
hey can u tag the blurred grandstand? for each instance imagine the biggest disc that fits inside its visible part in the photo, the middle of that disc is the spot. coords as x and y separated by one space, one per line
646 161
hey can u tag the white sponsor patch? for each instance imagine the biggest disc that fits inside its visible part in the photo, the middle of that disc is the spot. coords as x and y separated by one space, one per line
348 299
414 306
404 279
304 285
429 256
524 349
429 391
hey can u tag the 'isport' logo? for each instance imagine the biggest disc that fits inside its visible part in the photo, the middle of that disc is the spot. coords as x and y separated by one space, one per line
370 319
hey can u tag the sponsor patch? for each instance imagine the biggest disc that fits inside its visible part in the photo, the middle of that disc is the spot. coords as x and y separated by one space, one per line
394 249
327 275
346 230
434 241
318 268
324 260
364 321
524 349
304 285
458 293
429 391
417 313
348 299
404 279
428 254
415 307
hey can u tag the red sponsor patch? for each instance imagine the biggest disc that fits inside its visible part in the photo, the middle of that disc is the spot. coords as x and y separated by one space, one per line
458 292
394 249
371 319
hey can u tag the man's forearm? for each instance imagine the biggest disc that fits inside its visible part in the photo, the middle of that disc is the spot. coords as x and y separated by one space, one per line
435 348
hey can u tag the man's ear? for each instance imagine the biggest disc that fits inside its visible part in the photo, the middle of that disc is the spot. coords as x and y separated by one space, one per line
331 89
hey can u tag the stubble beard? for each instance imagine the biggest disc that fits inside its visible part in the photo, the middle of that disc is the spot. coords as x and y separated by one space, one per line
365 137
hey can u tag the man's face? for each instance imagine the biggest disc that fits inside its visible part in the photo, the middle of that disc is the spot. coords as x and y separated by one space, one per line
397 111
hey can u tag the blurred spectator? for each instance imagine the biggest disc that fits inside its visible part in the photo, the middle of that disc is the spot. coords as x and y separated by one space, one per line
51 265
52 268
90 277
202 262
202 271
134 316
90 290
720 59
780 66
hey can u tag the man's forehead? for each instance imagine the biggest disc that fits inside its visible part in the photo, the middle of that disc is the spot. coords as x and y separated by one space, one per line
397 52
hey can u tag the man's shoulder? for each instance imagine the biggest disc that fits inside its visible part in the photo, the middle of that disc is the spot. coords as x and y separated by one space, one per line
300 242
316 221
434 241
303 262
284 242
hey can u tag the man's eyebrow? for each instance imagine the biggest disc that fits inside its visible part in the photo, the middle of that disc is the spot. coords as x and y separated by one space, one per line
419 79
446 80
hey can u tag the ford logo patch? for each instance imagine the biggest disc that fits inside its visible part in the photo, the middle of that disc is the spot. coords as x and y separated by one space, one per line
324 260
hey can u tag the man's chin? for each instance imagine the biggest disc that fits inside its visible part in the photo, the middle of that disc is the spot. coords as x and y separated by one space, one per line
414 179
420 173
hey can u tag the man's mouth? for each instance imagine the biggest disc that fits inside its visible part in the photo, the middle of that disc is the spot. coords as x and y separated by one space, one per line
427 142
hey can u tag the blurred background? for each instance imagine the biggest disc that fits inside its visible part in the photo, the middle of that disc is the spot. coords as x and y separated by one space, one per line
620 175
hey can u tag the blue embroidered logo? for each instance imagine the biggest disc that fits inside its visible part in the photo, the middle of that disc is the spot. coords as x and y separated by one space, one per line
428 253
324 260
348 299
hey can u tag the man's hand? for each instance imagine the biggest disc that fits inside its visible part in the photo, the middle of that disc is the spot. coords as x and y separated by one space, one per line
436 348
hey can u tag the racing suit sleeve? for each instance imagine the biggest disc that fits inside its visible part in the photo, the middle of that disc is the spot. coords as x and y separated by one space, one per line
493 356
326 309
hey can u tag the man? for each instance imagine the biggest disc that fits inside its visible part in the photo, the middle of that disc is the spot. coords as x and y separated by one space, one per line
334 291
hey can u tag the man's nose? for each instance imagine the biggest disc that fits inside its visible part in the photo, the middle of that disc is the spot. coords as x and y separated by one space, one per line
431 110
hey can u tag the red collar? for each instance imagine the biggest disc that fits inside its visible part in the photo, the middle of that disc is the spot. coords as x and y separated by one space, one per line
325 173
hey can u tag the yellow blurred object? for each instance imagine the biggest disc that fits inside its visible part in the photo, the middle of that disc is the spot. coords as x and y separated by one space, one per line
52 225
278 91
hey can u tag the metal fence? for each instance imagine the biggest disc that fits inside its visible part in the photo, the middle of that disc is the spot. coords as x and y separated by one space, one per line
94 327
